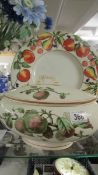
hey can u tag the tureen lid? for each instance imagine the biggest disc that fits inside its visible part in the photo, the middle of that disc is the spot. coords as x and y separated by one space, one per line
49 95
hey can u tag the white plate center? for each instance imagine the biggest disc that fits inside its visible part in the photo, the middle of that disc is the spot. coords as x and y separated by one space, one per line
58 67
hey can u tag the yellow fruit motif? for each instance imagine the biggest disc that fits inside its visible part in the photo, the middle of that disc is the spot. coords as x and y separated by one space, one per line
47 44
90 72
44 36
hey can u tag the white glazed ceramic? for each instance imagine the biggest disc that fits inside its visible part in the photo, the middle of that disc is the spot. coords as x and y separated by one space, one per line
49 95
56 58
38 146
54 68
48 126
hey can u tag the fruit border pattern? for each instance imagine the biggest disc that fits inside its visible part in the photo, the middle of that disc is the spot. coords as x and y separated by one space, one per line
23 63
45 124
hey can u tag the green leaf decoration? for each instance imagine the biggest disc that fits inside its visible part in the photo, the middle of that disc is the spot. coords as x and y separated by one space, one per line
34 87
62 95
64 124
60 40
28 91
16 65
21 110
97 62
77 38
19 58
31 112
7 114
24 32
9 122
48 133
50 89
84 125
25 65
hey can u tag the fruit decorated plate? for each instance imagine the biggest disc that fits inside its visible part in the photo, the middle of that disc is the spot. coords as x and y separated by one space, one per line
56 58
50 127
49 95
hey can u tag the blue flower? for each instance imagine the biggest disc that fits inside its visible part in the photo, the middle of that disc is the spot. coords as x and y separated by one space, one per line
11 14
48 23
31 11
36 15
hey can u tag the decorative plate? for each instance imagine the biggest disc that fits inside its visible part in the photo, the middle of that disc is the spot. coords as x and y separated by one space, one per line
56 58
49 126
50 95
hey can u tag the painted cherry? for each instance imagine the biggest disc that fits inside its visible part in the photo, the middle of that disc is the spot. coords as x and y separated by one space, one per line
23 75
33 47
19 125
84 63
90 56
69 44
82 51
28 56
40 51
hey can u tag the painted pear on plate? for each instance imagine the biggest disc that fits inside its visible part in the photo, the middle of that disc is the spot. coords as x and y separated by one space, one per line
90 73
47 44
44 36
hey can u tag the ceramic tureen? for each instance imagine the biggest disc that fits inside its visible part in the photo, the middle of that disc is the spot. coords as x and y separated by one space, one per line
49 117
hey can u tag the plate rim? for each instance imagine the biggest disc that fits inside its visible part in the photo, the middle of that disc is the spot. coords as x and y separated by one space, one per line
66 36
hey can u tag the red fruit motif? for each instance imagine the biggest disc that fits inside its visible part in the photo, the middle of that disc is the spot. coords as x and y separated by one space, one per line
35 122
28 56
82 51
84 63
40 51
23 75
33 47
90 56
69 44
19 125
41 95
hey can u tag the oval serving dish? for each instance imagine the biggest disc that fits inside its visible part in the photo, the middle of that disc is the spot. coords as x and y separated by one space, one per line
49 118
